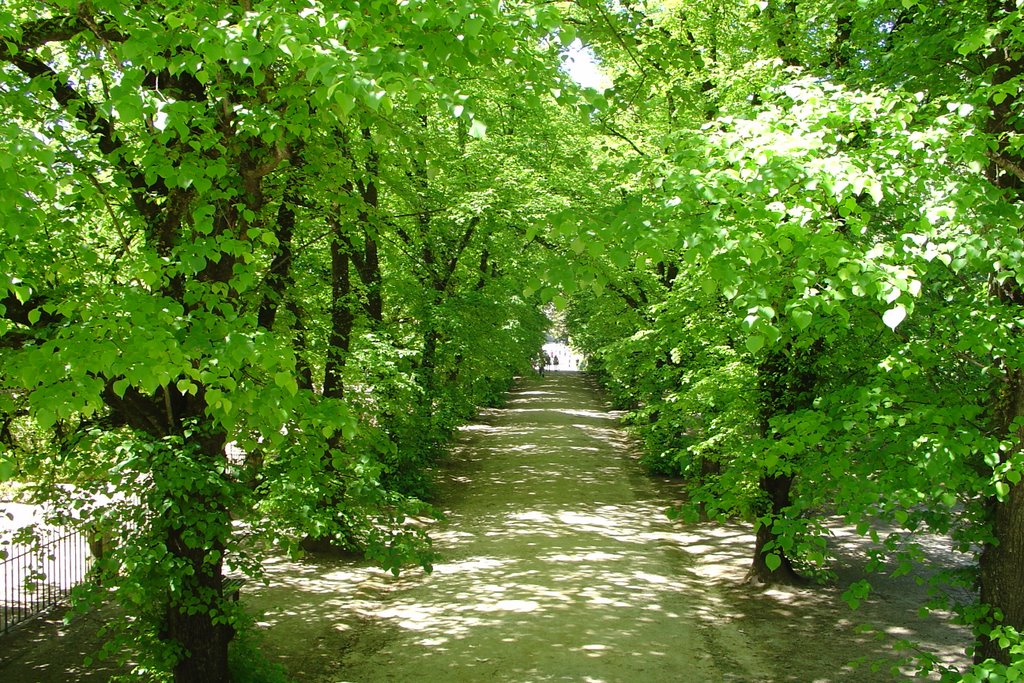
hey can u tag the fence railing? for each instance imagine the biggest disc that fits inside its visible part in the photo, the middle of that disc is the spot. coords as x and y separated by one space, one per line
36 577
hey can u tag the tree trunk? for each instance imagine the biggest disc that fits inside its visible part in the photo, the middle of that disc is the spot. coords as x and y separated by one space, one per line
279 278
786 385
777 489
784 24
204 643
841 48
368 263
302 368
342 320
1001 574
1001 565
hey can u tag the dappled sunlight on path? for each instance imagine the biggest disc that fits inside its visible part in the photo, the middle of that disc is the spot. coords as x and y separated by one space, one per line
557 563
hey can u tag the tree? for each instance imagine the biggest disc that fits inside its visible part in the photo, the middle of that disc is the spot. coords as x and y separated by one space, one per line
165 158
818 200
1002 559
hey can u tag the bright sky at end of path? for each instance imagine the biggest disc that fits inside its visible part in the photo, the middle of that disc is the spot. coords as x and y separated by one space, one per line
583 67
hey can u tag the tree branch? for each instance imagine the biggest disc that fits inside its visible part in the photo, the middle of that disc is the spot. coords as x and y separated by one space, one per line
1006 165
108 140
54 30
621 136
453 262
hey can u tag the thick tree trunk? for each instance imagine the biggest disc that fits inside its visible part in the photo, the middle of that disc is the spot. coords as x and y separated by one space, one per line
305 372
190 622
786 385
207 661
783 20
1002 572
777 489
194 534
370 275
279 278
368 263
428 362
841 48
195 614
1001 566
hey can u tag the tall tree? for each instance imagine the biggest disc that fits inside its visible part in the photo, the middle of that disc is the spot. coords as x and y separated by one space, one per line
165 156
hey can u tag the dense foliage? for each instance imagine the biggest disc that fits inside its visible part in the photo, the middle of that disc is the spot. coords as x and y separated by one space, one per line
259 260
818 302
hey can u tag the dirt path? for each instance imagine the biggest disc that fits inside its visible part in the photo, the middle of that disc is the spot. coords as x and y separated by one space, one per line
559 565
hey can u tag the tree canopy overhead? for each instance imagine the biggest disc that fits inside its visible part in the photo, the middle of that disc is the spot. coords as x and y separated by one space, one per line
261 258
254 257
814 272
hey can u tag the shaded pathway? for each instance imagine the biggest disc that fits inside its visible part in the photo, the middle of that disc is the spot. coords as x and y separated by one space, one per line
560 565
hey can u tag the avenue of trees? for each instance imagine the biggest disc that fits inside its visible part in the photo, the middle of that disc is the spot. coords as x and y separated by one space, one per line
261 258
808 292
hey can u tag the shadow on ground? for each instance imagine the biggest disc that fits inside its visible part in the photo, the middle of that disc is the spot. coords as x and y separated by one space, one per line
559 564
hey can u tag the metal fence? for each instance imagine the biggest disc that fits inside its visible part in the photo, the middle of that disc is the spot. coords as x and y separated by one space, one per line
36 577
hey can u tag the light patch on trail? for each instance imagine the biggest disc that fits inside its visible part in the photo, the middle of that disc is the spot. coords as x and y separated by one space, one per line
509 606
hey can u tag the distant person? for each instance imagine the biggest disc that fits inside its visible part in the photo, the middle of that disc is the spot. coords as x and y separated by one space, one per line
542 361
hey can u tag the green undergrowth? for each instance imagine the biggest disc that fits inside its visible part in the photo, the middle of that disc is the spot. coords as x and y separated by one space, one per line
248 665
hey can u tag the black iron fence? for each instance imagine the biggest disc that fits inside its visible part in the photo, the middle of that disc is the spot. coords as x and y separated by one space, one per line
38 576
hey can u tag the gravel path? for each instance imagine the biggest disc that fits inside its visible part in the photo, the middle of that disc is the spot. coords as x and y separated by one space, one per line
560 565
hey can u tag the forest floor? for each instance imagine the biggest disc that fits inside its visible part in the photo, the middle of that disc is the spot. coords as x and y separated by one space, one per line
557 564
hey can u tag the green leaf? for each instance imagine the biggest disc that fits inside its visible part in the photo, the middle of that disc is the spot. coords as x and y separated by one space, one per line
894 316
856 593
477 129
202 184
472 27
772 561
801 318
286 381
374 98
346 103
618 257
755 343
187 386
